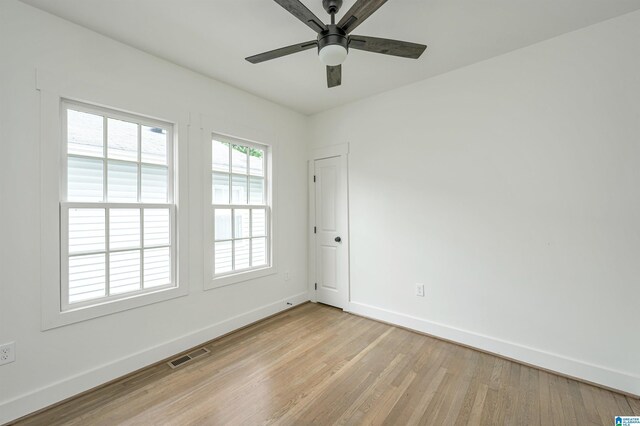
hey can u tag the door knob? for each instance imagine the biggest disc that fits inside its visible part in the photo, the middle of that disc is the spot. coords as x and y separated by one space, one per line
337 239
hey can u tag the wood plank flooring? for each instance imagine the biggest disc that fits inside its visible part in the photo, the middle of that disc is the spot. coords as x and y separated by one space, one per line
317 365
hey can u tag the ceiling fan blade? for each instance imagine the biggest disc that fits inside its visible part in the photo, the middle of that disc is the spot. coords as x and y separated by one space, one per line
334 76
360 11
300 11
385 46
283 51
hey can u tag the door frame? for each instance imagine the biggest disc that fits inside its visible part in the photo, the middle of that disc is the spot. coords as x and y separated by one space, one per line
342 151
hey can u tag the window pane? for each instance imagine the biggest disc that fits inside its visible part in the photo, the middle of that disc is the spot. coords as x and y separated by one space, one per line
84 179
220 156
258 223
154 145
223 257
154 184
220 184
222 224
157 229
241 254
239 159
122 181
86 230
87 277
84 134
124 272
241 223
256 190
124 228
258 251
256 162
238 189
157 267
122 140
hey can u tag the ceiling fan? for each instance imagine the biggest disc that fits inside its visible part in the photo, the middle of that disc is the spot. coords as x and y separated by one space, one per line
334 40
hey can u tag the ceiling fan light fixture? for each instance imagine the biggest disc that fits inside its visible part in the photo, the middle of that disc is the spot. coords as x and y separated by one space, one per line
333 55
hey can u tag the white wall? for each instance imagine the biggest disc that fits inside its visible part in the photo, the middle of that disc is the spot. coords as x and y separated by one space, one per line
58 363
511 188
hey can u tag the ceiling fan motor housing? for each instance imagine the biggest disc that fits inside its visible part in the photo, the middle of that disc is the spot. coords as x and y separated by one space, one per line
334 35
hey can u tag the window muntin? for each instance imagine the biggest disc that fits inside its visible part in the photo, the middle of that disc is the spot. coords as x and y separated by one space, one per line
117 211
241 211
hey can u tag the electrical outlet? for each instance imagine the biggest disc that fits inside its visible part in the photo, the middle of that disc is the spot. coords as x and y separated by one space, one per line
286 275
420 290
7 353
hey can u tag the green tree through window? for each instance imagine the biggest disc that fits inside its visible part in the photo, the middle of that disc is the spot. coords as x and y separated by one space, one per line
252 152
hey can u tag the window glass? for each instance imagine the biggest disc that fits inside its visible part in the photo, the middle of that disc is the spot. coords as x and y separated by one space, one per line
153 145
122 140
154 184
85 134
85 179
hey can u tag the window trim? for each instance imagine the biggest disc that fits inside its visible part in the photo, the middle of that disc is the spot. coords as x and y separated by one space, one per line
53 89
213 280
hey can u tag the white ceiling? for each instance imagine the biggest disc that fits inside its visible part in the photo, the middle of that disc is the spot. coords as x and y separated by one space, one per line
214 36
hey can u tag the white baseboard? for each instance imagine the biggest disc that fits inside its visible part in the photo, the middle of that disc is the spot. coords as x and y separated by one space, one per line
59 391
596 374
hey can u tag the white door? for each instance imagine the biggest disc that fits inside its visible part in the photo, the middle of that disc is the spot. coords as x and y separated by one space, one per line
331 231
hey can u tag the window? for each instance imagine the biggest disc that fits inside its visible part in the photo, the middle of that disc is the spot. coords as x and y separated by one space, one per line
117 213
240 202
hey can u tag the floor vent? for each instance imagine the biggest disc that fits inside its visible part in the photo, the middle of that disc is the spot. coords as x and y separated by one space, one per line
184 359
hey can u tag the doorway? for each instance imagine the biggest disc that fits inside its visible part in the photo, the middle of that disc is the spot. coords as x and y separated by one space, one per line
330 245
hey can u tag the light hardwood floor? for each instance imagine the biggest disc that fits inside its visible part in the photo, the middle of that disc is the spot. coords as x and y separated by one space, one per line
317 365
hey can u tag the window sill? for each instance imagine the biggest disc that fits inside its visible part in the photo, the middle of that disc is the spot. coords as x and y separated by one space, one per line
239 277
56 318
